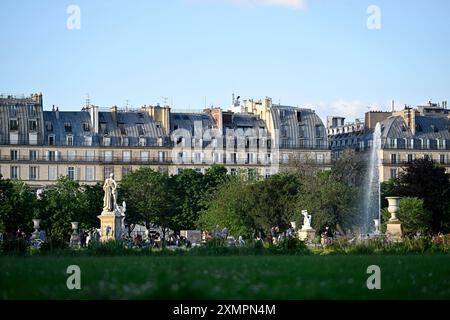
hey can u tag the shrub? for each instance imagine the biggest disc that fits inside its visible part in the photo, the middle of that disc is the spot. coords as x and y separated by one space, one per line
290 246
16 246
52 245
109 248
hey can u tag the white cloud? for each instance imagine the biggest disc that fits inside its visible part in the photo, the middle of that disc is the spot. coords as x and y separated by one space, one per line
293 4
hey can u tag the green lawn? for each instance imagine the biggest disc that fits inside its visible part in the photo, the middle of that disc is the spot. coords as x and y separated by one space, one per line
227 277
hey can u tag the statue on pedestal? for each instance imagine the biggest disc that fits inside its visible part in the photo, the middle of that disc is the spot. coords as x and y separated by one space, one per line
112 217
306 233
306 220
110 197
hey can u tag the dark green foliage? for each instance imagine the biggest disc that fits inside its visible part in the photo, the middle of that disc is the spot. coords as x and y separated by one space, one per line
426 180
16 246
17 206
53 245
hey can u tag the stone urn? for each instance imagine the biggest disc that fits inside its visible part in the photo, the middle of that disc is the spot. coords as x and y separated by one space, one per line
394 227
36 223
75 238
394 207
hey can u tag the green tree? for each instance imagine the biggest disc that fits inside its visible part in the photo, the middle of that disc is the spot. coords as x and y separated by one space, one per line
150 198
273 201
424 179
329 201
17 205
65 202
189 187
229 206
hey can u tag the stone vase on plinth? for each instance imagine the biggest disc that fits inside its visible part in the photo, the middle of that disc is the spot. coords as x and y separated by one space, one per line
394 226
306 233
75 237
35 234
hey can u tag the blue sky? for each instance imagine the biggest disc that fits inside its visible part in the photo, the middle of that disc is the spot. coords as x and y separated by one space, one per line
316 53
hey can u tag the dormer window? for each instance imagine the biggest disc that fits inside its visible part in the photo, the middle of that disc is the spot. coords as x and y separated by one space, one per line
299 116
103 128
51 140
67 127
13 125
69 140
122 129
32 125
140 128
318 131
106 141
49 126
86 127
142 142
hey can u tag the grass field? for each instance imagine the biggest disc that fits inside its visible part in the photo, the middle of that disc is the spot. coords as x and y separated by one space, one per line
226 277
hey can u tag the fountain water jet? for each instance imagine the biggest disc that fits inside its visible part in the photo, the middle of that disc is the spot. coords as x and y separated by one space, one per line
371 201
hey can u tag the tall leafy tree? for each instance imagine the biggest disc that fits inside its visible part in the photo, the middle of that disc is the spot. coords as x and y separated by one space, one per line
150 198
17 205
424 179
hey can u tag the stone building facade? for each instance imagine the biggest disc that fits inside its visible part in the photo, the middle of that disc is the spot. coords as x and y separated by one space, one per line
38 146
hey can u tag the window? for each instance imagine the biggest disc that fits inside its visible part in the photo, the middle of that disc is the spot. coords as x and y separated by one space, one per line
285 158
88 141
49 126
393 158
86 127
31 110
140 128
126 156
32 125
13 110
160 142
13 125
142 142
320 159
33 155
161 156
393 173
299 116
71 155
106 141
51 140
90 176
14 172
107 171
90 154
442 159
51 155
318 131
301 131
34 173
216 157
267 173
122 129
108 156
410 158
67 126
71 173
69 140
125 171
52 173
233 171
14 155
144 156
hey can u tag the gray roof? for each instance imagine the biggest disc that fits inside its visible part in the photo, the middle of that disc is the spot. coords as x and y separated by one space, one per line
286 121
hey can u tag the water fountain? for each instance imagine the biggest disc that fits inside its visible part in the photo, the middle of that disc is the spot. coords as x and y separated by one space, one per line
371 201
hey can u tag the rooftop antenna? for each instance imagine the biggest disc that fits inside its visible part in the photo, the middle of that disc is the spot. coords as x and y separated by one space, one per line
88 100
171 102
164 101
126 105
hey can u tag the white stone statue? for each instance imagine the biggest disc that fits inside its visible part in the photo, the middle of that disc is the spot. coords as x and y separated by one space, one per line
110 198
306 220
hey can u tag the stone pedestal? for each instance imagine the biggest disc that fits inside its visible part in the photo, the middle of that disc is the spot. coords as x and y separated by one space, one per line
394 226
394 231
110 226
307 234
